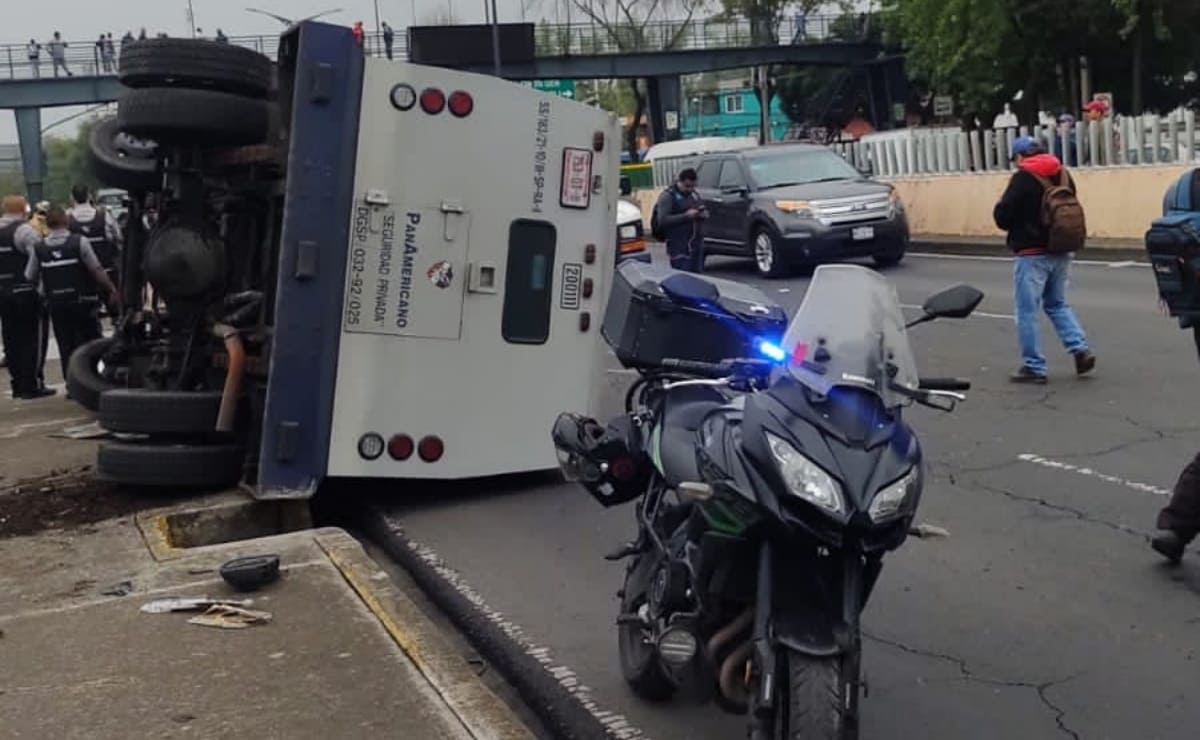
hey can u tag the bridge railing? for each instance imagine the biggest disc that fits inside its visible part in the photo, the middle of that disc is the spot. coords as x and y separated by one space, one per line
84 57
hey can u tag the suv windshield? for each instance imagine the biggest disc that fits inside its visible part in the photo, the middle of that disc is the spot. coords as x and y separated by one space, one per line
849 331
800 168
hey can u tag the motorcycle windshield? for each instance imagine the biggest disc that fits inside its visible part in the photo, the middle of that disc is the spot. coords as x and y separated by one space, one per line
850 331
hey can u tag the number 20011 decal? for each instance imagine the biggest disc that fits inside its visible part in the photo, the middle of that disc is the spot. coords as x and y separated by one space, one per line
576 178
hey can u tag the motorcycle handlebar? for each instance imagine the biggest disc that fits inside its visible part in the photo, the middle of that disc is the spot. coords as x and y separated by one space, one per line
944 384
737 368
693 367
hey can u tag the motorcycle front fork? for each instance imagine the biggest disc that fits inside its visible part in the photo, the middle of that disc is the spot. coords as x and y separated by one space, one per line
766 696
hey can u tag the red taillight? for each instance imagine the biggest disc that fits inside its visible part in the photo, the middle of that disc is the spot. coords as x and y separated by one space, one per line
430 449
400 447
461 104
433 100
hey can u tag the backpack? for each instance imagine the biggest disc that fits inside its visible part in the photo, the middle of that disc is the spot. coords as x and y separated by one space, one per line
656 230
1062 215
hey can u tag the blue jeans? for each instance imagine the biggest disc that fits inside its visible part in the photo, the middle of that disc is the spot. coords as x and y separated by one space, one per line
1041 283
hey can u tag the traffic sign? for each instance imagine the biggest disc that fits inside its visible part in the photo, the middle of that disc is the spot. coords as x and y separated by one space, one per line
561 88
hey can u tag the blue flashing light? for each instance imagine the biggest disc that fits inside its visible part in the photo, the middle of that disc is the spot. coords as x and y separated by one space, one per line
772 351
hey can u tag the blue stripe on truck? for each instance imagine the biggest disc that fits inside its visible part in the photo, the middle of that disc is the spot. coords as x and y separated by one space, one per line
326 97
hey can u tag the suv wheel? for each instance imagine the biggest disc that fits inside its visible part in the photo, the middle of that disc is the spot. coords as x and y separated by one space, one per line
766 254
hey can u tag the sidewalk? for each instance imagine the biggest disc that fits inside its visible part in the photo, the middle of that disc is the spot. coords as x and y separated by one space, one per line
1097 249
346 653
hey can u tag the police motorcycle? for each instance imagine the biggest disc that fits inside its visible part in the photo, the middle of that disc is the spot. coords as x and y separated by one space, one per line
770 483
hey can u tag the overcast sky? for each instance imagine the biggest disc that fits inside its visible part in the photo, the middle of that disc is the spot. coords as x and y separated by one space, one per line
81 21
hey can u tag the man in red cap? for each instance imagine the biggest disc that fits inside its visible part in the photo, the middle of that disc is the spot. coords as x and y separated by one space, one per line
1096 110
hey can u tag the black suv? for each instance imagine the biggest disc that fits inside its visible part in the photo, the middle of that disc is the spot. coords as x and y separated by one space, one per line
797 203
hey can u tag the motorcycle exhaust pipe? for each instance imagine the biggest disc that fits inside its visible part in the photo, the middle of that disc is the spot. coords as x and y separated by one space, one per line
724 635
732 679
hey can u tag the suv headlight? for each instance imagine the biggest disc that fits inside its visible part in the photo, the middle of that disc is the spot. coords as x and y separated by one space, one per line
800 208
892 499
806 479
627 232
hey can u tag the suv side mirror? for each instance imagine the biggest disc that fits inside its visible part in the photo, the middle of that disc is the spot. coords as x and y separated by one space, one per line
740 191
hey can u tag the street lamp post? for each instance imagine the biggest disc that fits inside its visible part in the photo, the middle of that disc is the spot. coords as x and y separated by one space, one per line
191 18
699 115
495 40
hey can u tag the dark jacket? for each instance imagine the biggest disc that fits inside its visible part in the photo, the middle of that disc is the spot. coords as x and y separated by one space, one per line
680 230
1019 211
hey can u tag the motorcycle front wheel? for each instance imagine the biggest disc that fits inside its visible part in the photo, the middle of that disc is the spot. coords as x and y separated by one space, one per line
640 664
817 703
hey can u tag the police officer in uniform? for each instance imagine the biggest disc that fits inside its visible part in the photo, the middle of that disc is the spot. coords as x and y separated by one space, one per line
99 227
70 273
19 303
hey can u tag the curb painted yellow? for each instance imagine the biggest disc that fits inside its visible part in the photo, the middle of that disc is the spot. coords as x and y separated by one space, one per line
481 712
156 533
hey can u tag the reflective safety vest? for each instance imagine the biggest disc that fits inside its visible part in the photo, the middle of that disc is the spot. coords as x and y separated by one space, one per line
97 236
12 263
65 279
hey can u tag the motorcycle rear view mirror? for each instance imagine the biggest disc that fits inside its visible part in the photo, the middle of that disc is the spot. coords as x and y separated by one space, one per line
686 289
952 303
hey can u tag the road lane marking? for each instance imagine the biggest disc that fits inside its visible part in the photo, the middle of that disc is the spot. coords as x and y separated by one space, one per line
1090 473
979 314
991 258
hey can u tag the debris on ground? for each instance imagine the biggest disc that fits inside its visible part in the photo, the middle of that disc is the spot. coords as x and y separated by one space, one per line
251 573
225 616
82 431
118 589
64 500
190 604
928 531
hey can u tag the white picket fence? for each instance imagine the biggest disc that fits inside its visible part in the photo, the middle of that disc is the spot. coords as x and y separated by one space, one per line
1128 141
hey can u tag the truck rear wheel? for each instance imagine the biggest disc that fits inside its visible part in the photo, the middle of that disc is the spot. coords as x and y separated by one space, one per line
197 64
203 117
85 381
142 411
170 465
121 161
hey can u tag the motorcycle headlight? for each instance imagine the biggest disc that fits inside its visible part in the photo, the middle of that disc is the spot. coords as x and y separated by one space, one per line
890 501
806 479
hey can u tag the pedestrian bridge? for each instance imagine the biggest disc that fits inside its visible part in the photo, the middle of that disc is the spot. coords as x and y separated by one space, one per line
657 52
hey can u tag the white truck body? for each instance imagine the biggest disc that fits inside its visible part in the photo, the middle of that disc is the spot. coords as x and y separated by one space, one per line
481 255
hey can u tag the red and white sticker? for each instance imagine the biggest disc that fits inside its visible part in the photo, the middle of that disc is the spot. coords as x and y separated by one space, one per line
576 178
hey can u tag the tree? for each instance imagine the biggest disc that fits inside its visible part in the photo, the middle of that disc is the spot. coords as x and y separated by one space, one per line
622 26
984 51
67 164
829 96
765 18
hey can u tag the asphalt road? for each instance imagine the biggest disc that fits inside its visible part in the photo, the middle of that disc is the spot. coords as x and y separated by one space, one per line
1043 615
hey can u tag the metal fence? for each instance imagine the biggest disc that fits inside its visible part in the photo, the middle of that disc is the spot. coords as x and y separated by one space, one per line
84 57
1124 141
700 33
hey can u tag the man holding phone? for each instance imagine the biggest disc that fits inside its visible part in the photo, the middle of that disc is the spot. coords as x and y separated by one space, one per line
678 220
